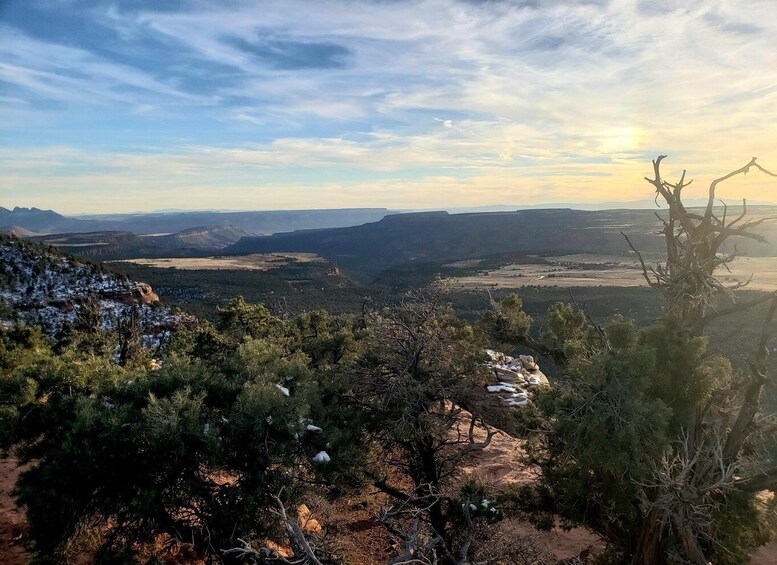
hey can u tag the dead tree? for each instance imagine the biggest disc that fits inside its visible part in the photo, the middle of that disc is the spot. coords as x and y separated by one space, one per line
481 542
303 550
694 240
405 522
721 445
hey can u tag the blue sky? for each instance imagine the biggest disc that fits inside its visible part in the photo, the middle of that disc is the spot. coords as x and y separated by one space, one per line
110 106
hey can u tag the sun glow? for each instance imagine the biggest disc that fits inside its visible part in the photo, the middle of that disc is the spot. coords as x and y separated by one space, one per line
620 139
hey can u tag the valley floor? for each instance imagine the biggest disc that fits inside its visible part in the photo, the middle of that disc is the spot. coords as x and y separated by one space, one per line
588 270
253 262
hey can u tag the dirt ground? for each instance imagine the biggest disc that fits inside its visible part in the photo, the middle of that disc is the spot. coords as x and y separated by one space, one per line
12 520
254 262
351 522
766 555
497 467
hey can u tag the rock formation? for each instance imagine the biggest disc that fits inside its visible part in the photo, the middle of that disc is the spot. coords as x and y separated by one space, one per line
41 286
515 377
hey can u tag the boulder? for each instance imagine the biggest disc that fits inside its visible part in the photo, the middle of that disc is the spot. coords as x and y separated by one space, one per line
528 363
146 294
536 378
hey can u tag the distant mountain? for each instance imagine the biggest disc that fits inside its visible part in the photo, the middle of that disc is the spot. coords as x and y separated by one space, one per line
207 238
35 220
252 222
438 236
45 222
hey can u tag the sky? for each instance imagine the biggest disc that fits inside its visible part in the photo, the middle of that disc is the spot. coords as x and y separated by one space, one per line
139 105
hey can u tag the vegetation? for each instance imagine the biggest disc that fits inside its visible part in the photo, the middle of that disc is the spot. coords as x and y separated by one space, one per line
243 421
649 436
651 439
197 450
288 290
422 366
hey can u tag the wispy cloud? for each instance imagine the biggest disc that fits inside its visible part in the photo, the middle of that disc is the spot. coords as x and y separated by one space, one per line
438 102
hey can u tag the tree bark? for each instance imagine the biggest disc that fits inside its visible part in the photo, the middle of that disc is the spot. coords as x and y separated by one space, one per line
650 546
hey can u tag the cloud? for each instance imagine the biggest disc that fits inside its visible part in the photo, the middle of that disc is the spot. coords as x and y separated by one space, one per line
77 76
478 96
294 55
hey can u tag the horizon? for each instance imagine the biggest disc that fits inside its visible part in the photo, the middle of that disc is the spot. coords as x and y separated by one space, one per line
633 205
431 105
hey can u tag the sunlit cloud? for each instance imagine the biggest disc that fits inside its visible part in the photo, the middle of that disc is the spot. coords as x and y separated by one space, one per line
438 103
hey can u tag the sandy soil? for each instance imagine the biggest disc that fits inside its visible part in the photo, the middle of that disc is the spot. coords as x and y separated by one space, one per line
766 555
12 519
499 466
605 270
254 262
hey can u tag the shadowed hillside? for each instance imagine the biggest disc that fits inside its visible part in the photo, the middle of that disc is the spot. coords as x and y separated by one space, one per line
116 244
203 238
439 236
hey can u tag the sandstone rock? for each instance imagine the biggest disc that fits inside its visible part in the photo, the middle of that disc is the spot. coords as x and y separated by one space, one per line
146 294
307 522
501 372
528 363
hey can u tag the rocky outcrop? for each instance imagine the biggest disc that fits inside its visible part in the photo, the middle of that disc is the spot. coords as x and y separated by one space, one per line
146 295
515 377
133 293
41 286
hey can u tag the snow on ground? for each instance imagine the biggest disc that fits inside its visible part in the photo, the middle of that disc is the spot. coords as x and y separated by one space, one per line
516 377
40 286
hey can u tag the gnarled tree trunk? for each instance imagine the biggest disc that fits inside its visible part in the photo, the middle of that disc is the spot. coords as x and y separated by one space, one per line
650 548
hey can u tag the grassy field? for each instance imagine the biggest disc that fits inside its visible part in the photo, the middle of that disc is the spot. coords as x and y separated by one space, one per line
591 270
253 262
